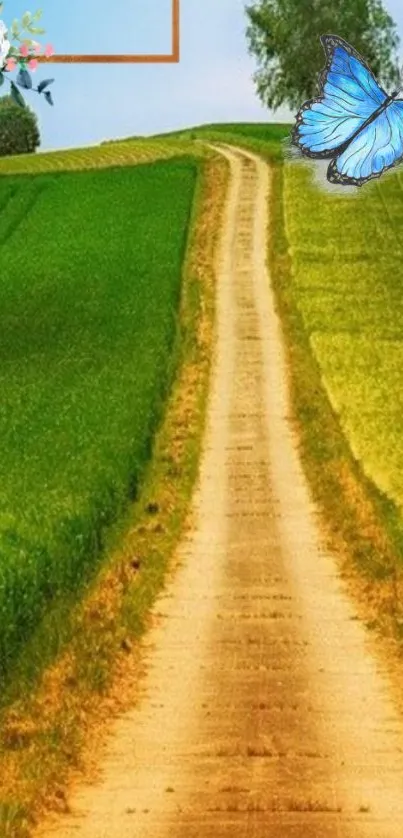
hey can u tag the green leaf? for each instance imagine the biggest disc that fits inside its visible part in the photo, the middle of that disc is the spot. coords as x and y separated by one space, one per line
15 93
1 79
24 79
26 19
44 83
15 28
48 96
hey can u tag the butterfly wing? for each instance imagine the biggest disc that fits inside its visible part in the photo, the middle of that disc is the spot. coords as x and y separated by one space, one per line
378 147
350 94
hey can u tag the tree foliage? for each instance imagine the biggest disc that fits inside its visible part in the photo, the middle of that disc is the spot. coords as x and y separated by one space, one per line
284 37
19 132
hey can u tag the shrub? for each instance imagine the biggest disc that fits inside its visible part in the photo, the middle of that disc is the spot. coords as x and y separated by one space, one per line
19 132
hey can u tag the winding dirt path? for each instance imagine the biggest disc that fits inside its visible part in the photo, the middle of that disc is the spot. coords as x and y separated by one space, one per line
263 713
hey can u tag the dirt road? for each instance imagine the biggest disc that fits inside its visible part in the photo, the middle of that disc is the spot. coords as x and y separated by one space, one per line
263 714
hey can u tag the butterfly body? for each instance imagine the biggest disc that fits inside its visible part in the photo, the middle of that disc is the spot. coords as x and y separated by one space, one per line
353 121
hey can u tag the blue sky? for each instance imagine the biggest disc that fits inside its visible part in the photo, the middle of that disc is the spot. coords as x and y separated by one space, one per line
212 82
98 26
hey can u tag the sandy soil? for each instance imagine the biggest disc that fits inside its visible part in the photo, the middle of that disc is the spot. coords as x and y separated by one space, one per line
262 712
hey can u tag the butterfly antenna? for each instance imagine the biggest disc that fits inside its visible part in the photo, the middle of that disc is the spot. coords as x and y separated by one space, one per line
396 93
400 88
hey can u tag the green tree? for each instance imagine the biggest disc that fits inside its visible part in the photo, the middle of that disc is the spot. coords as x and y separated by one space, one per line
283 35
19 132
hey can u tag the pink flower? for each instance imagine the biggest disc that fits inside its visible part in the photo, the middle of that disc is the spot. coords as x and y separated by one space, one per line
38 49
11 64
33 64
24 50
49 51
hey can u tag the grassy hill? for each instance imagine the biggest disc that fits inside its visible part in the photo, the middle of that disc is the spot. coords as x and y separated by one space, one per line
89 296
122 153
336 269
106 317
93 254
264 138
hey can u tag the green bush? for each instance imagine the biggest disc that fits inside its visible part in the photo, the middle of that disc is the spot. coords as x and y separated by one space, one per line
19 132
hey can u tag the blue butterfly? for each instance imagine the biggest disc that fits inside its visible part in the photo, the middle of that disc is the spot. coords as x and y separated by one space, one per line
353 121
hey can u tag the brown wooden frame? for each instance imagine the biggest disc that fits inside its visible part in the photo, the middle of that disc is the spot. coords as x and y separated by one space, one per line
171 58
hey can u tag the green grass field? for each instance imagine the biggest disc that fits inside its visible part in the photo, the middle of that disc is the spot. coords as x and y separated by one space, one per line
346 281
120 153
87 326
336 270
89 296
347 278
